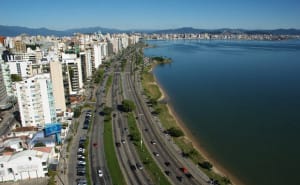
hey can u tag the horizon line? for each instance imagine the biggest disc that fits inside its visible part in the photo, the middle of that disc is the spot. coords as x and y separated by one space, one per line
152 29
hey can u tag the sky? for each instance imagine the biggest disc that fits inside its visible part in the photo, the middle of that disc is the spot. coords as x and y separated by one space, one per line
151 14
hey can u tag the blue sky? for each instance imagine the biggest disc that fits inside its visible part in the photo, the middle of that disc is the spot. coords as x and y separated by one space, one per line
151 14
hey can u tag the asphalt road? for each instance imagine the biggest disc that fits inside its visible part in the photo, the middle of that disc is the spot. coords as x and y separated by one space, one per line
126 152
72 159
97 155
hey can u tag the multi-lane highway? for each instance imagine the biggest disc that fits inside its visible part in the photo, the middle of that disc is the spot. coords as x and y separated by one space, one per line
126 152
170 162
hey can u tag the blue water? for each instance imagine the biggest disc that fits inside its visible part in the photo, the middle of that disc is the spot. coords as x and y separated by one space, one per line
241 100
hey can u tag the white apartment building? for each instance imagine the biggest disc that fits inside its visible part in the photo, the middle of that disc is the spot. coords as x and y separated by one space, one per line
26 164
72 65
58 86
19 67
36 101
97 55
6 78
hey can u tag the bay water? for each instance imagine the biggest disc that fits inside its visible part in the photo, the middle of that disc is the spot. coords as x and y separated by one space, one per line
240 100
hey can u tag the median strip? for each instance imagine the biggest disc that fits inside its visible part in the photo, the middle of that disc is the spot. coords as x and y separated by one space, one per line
153 170
110 155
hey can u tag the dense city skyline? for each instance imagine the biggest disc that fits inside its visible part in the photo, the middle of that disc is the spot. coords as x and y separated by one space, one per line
154 14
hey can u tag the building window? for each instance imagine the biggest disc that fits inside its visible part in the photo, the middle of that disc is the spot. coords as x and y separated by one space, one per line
9 170
45 169
1 165
44 163
29 158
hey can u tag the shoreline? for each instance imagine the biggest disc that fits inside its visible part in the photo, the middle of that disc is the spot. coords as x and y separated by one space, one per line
217 168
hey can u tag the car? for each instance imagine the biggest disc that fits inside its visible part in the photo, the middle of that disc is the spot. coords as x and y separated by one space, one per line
167 173
153 142
180 178
81 180
118 144
100 173
81 162
81 170
81 159
123 141
139 166
81 173
95 144
156 154
80 156
82 139
188 175
81 150
132 167
167 163
146 129
80 153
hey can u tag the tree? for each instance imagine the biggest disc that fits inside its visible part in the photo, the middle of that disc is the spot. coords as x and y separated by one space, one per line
152 102
15 78
206 165
107 110
157 111
77 112
128 106
39 144
175 132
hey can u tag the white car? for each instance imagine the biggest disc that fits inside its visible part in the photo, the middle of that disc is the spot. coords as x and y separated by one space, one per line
100 173
81 162
81 150
80 156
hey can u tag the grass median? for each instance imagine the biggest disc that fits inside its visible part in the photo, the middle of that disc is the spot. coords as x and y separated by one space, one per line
153 170
110 155
108 83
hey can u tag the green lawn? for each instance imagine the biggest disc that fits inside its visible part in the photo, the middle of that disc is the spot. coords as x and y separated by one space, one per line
110 156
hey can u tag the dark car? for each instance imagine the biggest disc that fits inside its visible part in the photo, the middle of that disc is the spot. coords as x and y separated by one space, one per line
179 178
167 173
167 163
139 166
188 175
132 167
118 144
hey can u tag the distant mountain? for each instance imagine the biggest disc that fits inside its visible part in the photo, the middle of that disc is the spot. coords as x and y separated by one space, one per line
17 30
93 30
228 30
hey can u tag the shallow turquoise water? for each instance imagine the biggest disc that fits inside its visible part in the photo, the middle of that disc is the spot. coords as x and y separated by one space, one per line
241 99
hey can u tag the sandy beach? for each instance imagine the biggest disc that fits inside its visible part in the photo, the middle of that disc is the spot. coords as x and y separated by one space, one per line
217 168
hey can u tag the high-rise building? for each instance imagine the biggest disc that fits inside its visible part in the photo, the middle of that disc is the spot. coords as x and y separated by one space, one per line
20 47
36 101
4 99
97 55
6 78
58 86
72 65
